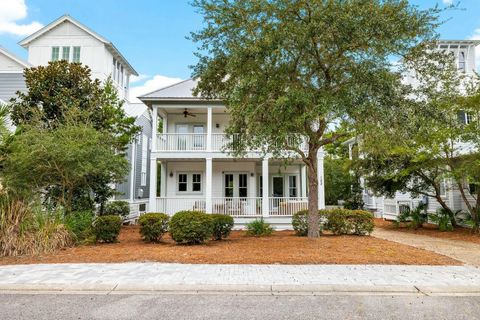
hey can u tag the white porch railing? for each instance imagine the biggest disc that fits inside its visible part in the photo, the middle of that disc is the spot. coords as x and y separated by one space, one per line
238 207
392 207
198 142
182 142
235 207
287 206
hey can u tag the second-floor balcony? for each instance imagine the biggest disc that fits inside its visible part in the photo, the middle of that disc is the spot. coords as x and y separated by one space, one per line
201 142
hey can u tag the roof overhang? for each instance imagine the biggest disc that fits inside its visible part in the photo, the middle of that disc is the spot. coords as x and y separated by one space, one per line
15 58
25 42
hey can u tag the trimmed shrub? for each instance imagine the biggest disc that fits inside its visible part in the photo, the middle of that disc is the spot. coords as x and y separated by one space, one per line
259 228
80 225
221 225
107 228
117 208
190 227
300 223
153 226
343 221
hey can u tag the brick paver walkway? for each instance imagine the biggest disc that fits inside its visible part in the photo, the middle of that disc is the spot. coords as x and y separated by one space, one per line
466 252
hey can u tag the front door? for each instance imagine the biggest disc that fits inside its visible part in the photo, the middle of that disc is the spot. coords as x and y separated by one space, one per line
182 131
278 187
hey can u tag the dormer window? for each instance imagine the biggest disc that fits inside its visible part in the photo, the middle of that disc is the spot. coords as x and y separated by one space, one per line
461 61
55 53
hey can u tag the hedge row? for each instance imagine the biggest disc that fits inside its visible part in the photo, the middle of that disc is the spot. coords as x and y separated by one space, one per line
338 221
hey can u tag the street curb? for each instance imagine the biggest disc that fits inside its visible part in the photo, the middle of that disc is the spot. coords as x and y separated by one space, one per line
276 289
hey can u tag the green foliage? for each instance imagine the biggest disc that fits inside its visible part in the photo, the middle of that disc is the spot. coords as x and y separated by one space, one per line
222 226
65 162
442 219
300 223
61 91
259 228
79 223
355 198
342 221
117 208
310 65
153 226
107 228
338 180
25 229
414 218
190 227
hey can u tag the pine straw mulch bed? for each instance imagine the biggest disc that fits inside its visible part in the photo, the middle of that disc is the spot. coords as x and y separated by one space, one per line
282 247
431 230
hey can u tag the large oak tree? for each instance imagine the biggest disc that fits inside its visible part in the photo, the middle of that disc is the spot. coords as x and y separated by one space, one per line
293 70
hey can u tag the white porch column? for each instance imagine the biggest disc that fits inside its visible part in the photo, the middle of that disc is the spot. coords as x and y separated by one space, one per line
321 185
132 170
265 192
154 127
209 129
303 177
208 185
152 201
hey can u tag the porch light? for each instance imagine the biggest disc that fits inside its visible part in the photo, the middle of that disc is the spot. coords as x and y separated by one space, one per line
251 174
217 125
171 174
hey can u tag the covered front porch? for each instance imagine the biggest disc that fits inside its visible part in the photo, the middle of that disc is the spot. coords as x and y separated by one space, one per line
242 188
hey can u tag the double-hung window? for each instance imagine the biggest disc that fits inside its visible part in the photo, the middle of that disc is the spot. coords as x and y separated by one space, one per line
76 54
55 53
66 53
189 182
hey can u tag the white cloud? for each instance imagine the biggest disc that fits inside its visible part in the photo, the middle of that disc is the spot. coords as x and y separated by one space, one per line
139 78
155 83
12 11
476 36
448 2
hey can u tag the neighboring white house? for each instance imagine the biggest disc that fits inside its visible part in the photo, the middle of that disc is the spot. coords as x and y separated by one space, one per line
390 208
68 39
197 173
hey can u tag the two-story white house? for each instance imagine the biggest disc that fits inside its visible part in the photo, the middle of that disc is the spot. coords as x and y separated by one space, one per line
390 208
195 171
68 39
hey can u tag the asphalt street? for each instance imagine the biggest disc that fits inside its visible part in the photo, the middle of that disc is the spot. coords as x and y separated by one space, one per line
232 307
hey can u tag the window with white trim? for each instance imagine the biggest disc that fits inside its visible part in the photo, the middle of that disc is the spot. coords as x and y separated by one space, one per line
189 182
443 188
243 185
143 171
114 70
66 53
461 61
292 186
76 54
55 53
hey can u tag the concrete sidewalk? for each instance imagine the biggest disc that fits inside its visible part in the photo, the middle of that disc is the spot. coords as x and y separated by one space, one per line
267 279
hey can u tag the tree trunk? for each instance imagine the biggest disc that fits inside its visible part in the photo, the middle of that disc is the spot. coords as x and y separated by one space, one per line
313 217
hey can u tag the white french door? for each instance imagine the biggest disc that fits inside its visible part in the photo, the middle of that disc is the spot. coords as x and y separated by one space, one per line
235 185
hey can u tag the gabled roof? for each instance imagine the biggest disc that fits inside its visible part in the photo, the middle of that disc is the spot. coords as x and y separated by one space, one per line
181 91
25 42
13 57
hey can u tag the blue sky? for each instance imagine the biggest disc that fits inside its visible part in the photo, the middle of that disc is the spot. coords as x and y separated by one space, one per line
151 33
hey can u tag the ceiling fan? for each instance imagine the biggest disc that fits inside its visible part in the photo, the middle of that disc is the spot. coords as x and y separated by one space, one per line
186 113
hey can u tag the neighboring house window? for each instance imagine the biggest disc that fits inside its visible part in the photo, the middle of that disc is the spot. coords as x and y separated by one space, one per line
55 53
443 188
143 173
182 182
76 54
292 186
260 183
196 182
472 188
66 53
465 118
114 72
461 61
121 76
